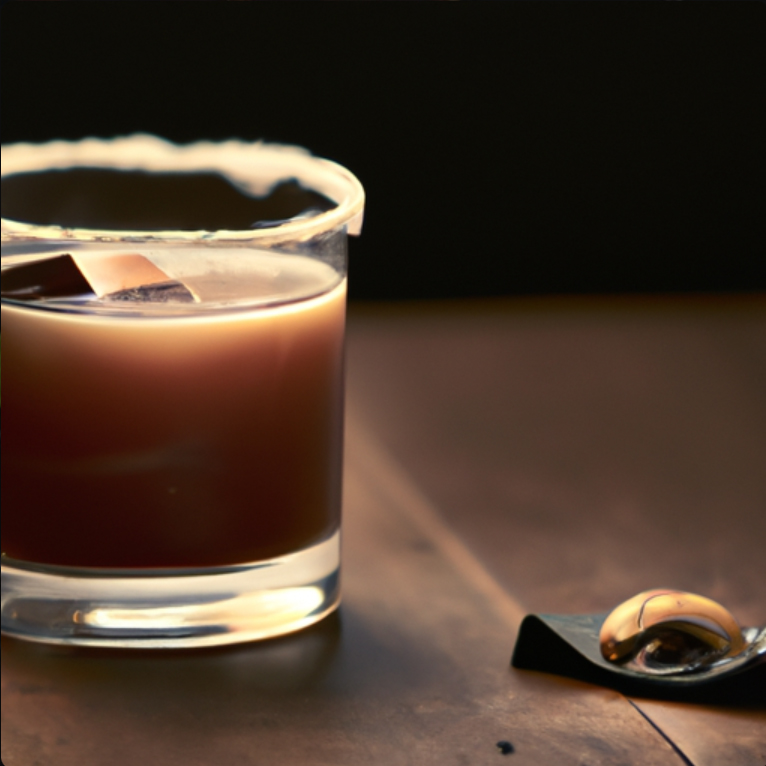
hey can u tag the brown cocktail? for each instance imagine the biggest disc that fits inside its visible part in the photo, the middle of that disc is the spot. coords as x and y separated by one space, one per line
173 391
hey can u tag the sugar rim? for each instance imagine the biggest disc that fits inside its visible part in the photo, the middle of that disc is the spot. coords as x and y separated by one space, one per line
256 165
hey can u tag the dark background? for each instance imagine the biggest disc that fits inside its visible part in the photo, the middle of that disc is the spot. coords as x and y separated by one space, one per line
506 148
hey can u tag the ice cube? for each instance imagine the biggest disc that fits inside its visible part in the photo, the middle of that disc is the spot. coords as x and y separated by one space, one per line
131 277
52 278
86 276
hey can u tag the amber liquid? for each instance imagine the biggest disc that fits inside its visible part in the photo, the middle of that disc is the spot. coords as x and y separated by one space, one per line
172 441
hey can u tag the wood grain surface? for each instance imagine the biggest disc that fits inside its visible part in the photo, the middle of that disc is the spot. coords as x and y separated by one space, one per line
586 450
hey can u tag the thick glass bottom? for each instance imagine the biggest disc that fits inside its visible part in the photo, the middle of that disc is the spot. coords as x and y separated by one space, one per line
164 609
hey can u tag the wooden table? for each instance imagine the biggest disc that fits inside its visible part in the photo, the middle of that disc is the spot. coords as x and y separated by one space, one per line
502 457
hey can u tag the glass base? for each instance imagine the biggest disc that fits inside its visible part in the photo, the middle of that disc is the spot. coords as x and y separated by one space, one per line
165 609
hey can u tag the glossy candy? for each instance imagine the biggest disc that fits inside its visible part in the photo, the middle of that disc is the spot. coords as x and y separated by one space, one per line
668 631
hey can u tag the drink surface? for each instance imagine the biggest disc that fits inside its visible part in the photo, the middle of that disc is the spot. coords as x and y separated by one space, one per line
141 434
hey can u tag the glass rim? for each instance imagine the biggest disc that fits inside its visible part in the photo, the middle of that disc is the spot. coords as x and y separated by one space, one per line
235 159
